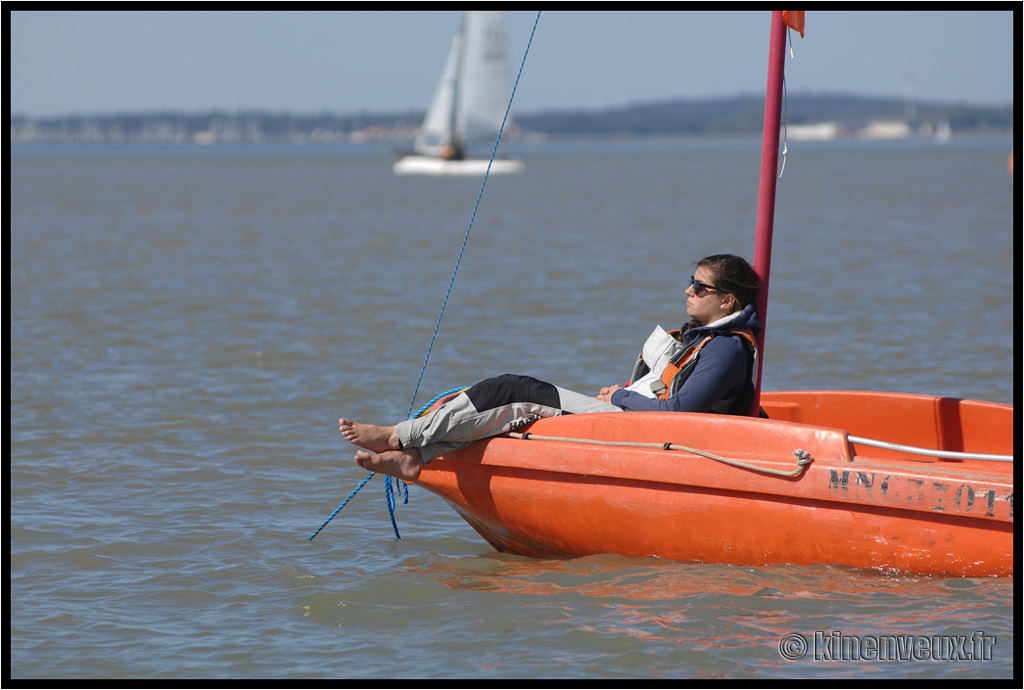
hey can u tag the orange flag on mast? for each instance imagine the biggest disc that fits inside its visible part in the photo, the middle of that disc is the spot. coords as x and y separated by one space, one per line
795 21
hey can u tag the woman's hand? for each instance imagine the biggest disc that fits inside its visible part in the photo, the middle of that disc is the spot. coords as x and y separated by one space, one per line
606 393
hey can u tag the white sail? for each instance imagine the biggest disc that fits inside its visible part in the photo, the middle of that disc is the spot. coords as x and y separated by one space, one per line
438 130
471 97
485 78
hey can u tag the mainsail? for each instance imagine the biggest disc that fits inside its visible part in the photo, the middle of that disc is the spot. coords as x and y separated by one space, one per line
470 100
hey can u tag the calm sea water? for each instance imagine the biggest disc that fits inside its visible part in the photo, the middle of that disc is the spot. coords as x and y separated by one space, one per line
187 324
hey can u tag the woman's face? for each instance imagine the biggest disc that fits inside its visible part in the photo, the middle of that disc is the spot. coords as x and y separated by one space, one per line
708 304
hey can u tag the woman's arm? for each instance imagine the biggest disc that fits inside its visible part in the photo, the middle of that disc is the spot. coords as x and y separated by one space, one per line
721 369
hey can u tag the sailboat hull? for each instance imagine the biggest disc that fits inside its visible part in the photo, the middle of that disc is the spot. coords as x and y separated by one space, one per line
560 495
467 167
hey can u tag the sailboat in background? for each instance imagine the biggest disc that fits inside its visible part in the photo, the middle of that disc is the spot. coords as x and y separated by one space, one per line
468 105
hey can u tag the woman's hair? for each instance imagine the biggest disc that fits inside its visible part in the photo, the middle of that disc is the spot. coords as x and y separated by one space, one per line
733 275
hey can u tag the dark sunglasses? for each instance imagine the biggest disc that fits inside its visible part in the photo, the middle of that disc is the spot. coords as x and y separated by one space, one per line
699 287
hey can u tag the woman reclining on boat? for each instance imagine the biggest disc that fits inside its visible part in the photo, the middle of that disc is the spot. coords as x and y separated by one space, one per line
692 370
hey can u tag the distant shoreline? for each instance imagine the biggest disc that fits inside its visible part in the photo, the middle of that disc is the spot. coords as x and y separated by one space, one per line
817 115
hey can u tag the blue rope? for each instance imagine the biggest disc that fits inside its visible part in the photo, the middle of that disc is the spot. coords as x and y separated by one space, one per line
343 504
388 489
423 410
389 486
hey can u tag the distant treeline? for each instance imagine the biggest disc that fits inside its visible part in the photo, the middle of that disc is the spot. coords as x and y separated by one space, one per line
723 116
745 115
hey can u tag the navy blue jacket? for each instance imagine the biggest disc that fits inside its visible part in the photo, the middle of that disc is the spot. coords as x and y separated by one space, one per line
721 380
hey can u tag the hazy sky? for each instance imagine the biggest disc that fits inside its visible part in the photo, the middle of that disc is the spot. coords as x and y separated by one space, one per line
103 62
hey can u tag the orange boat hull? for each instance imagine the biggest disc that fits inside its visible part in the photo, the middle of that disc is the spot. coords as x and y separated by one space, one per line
855 506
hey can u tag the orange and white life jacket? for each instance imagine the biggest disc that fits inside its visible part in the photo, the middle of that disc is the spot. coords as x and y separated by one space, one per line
674 367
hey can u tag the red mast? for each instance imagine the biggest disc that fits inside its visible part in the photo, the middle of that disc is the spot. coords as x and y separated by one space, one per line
766 190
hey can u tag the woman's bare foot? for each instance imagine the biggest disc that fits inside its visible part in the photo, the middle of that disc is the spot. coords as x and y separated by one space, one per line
404 464
369 436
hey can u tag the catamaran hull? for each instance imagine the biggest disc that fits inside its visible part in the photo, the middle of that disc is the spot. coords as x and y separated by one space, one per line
467 167
564 498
